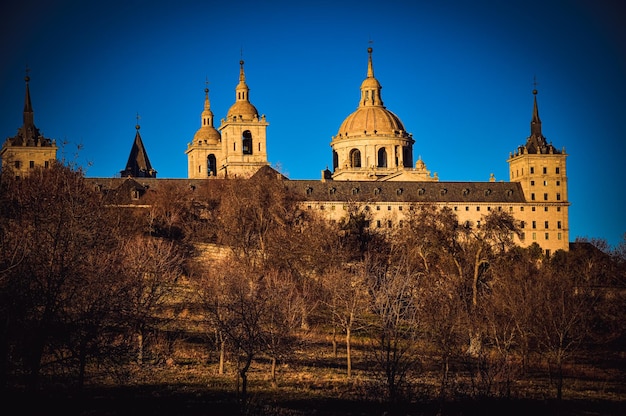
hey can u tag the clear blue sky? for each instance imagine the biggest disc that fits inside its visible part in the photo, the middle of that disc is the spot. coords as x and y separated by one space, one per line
459 74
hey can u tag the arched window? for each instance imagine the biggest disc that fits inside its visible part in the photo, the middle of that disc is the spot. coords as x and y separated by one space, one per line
407 156
355 158
382 157
247 142
211 165
335 160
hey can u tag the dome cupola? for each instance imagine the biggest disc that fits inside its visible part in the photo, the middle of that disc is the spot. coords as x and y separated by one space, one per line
242 109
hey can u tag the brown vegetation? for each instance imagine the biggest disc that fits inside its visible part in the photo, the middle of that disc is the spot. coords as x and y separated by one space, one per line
230 298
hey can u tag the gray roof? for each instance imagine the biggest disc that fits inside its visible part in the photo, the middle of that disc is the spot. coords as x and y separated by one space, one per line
357 191
371 191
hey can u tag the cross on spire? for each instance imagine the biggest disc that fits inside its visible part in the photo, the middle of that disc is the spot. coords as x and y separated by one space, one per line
137 125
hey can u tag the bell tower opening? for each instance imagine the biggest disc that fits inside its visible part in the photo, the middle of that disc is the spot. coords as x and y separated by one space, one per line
247 142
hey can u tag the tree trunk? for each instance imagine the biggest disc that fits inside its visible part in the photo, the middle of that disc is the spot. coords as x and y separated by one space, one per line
243 373
348 352
273 372
220 369
335 341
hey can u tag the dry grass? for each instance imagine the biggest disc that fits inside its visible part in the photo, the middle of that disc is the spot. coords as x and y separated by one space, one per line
312 381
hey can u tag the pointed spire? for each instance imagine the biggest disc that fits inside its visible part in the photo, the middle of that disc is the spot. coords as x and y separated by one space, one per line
242 89
29 118
370 65
138 164
535 122
370 88
207 114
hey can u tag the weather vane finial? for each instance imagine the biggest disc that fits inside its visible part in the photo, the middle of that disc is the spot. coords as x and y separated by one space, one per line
535 83
137 117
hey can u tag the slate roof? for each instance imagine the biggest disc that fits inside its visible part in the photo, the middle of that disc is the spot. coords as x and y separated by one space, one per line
120 190
449 192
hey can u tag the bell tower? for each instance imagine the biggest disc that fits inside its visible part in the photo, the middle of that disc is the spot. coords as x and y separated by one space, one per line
243 134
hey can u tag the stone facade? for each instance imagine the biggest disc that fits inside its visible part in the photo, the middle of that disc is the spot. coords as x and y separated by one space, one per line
372 169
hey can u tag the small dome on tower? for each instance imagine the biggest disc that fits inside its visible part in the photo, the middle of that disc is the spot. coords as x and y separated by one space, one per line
242 109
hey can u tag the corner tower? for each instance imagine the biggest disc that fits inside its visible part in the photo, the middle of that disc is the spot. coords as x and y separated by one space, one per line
372 142
28 148
243 135
540 168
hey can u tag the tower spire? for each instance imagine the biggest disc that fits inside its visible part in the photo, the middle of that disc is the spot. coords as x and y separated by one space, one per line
29 118
242 89
535 122
370 88
138 164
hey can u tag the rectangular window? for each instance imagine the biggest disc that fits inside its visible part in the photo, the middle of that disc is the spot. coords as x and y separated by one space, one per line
546 224
532 183
466 208
558 183
521 208
545 183
46 164
32 164
547 236
534 224
558 236
532 170
388 207
558 209
532 209
545 170
534 236
455 208
377 207
545 197
477 208
532 197
377 223
558 170
522 236
522 224
558 225
558 196
545 209
17 164
400 208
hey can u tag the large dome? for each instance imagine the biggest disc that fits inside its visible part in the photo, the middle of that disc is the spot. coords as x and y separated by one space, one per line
371 120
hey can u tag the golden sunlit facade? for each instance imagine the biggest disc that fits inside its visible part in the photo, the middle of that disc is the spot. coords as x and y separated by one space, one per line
372 168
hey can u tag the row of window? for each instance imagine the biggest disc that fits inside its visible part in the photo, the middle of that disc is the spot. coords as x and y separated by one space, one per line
544 171
456 208
545 196
546 236
545 183
31 164
546 224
